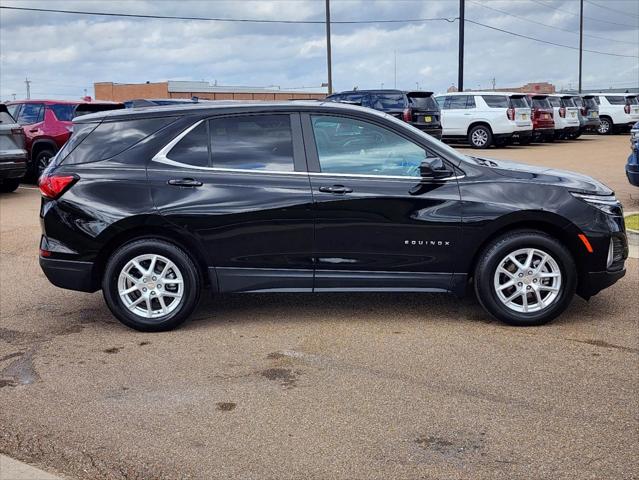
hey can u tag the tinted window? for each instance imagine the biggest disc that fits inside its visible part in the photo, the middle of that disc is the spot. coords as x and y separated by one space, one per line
554 101
387 101
590 102
257 142
346 145
470 103
632 101
354 97
578 101
31 113
457 102
80 132
110 139
541 103
13 109
422 103
518 102
440 101
616 100
63 112
567 102
193 149
496 101
597 100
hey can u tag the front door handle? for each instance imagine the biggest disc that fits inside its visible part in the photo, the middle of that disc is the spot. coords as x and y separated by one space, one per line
185 182
338 189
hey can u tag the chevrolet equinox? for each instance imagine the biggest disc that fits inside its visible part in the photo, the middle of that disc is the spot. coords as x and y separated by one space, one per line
152 205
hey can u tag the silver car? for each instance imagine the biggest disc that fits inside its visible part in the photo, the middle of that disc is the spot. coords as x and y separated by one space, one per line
13 156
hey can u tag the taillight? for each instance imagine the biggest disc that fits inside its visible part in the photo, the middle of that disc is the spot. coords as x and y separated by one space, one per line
562 112
407 115
626 108
17 131
510 113
583 111
53 186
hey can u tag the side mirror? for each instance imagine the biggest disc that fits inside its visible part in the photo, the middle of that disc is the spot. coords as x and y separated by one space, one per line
434 168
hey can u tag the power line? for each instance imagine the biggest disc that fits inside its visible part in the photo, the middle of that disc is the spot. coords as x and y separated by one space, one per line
546 25
611 9
546 41
236 20
576 15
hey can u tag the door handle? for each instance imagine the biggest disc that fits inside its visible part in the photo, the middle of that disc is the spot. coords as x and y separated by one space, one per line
33 130
338 189
185 182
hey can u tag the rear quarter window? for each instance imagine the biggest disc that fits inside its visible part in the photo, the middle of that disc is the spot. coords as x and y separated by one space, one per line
63 112
616 100
109 139
496 101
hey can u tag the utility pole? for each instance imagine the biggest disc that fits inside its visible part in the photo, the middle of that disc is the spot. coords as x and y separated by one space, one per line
395 69
460 65
494 82
328 46
28 84
581 38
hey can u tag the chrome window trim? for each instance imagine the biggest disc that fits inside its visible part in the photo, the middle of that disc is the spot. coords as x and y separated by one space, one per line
162 157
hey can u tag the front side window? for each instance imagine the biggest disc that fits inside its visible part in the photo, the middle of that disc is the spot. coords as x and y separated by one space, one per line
31 113
252 142
350 146
496 101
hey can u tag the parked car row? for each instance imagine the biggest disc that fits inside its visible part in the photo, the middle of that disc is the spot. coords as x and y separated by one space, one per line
495 118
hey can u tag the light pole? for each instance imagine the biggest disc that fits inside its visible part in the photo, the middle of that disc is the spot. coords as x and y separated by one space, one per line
328 46
460 64
581 38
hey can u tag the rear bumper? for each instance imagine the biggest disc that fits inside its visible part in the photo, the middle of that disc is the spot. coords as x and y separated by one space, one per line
13 169
593 282
632 172
432 131
69 274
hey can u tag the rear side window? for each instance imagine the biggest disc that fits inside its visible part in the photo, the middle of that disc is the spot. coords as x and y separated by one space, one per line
616 100
458 102
193 149
518 102
554 101
63 112
387 101
112 138
31 113
255 142
496 101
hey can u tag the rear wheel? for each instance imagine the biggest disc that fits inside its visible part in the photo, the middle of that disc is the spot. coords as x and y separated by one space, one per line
151 285
525 140
9 185
480 136
525 278
605 126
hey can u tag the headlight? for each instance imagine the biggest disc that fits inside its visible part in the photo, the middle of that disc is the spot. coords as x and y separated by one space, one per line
606 203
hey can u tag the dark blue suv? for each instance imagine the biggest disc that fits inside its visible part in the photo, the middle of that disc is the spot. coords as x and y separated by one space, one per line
632 167
417 108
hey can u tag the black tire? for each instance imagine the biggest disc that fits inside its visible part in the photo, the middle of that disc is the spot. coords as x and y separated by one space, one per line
9 185
41 161
525 141
150 246
480 132
549 138
490 259
605 127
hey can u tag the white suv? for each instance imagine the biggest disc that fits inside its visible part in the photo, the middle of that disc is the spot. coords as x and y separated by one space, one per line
485 118
566 115
616 111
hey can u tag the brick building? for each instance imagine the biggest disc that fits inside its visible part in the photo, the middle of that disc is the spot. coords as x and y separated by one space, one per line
120 92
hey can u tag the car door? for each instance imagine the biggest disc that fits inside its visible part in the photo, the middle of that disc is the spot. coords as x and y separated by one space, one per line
238 185
378 223
456 116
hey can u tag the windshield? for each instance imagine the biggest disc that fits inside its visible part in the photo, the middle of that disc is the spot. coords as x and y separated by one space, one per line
518 102
541 103
423 103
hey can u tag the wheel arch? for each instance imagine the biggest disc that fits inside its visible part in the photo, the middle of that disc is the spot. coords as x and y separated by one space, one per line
41 144
157 231
477 123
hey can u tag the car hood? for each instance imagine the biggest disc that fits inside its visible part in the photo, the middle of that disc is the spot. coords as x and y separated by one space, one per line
550 176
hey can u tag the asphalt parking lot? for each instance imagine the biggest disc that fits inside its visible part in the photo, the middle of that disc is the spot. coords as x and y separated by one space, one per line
349 386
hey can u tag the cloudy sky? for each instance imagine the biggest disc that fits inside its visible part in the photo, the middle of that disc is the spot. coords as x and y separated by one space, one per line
64 54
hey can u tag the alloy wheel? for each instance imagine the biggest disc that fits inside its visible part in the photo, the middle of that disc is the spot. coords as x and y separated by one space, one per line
479 137
604 127
527 280
151 286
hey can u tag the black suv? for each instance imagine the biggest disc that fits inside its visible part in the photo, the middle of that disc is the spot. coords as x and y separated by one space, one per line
151 205
417 108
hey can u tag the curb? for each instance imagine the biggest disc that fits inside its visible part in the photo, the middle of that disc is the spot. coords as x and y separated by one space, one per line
11 469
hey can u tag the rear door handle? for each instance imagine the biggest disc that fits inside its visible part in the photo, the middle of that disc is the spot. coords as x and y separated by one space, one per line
338 189
185 182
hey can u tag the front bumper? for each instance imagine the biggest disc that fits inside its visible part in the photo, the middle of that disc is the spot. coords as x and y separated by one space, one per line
69 274
593 282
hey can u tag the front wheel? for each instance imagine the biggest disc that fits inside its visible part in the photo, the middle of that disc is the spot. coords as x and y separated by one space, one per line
9 185
480 136
151 285
525 278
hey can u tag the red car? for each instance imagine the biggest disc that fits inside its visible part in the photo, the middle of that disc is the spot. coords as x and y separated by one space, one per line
542 117
47 126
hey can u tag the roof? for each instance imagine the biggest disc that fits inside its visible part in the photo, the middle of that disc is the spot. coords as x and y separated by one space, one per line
384 90
213 107
490 92
60 102
179 86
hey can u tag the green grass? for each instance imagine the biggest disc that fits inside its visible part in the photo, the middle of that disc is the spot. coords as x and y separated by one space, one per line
632 221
